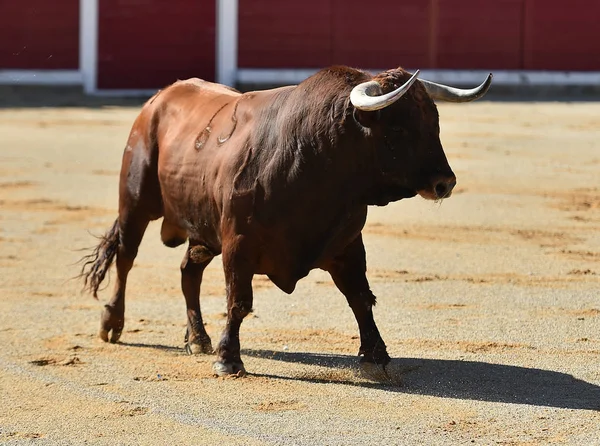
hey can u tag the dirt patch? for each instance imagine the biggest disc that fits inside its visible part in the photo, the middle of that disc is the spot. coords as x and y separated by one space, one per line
582 272
49 205
283 338
583 199
474 234
60 361
280 406
19 435
442 306
488 279
588 256
593 312
16 185
546 238
467 346
106 172
131 411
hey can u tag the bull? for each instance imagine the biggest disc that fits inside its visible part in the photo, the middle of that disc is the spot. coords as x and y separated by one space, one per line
278 183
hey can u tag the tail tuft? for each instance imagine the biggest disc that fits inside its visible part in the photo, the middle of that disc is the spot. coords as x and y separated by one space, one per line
96 265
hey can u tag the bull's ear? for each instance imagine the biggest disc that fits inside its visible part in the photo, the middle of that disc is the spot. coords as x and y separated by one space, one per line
366 118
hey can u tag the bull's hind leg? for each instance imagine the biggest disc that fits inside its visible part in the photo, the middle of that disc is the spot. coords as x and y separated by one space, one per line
196 259
349 274
238 268
140 202
131 231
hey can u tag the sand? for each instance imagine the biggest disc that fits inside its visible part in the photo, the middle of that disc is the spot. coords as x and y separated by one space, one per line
489 302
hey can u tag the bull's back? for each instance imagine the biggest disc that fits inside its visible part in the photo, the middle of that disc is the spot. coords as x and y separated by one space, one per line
185 113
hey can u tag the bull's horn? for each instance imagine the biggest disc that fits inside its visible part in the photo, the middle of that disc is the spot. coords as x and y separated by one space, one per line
367 96
451 94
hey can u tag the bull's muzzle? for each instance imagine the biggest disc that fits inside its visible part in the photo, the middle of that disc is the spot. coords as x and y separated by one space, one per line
440 188
443 187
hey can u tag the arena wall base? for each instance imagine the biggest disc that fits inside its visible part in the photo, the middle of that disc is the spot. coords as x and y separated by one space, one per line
451 77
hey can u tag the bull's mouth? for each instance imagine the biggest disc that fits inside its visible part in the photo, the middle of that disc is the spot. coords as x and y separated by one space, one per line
440 191
429 194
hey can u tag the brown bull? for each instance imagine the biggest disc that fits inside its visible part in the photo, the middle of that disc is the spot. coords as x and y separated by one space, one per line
276 181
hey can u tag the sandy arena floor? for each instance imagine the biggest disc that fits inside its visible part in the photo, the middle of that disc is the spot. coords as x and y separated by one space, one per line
489 303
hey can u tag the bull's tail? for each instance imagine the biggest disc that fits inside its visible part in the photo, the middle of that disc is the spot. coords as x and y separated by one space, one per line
96 265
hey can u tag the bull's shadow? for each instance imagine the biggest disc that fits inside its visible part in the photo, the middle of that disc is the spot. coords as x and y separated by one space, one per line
167 348
471 380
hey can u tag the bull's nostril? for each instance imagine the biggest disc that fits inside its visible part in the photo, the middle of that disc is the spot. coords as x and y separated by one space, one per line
441 190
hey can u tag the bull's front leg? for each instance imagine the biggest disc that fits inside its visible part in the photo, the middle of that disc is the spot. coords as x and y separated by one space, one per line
239 271
348 271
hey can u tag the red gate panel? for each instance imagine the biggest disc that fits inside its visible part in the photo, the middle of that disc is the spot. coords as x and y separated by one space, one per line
318 33
483 34
148 44
284 34
562 35
39 34
391 34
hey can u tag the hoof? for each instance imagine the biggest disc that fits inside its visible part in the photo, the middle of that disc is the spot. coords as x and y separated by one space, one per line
374 372
111 325
199 348
229 368
114 335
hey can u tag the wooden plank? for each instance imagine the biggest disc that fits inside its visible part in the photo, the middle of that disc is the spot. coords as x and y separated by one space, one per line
284 34
527 34
434 29
147 44
39 35
564 36
479 34
387 36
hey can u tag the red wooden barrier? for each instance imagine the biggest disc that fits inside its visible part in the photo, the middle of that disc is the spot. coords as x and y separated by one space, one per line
147 44
482 34
39 34
317 33
284 34
452 34
562 35
367 35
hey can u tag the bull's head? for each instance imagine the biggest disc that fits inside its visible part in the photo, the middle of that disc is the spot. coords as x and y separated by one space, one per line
403 124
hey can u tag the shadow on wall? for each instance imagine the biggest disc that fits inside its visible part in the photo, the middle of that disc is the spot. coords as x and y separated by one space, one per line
22 96
469 380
